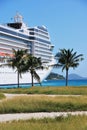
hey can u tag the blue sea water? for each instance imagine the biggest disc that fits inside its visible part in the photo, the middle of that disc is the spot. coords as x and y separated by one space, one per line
53 83
63 82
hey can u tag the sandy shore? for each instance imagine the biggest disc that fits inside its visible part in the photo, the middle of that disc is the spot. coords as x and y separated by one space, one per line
26 116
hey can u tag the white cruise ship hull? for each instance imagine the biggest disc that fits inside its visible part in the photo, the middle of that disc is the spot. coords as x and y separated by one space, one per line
9 77
20 36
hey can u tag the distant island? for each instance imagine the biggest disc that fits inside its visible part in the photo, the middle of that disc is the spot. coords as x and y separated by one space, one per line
76 77
54 76
73 76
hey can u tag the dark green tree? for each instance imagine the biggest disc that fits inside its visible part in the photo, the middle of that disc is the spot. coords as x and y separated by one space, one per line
17 62
68 59
33 63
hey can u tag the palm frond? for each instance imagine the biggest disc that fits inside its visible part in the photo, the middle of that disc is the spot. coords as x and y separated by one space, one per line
67 58
55 65
36 76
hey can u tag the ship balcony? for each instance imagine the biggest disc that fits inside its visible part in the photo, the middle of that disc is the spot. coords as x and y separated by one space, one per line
43 55
7 46
15 36
11 44
43 46
43 51
39 35
43 58
51 47
12 40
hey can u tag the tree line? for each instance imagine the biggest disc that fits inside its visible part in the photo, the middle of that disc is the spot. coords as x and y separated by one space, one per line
24 62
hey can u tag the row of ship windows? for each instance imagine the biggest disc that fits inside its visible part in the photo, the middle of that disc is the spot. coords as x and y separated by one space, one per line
12 32
36 30
38 34
45 52
29 46
6 50
16 33
39 49
42 47
10 46
40 44
14 39
42 28
39 40
42 55
23 36
11 42
7 44
44 59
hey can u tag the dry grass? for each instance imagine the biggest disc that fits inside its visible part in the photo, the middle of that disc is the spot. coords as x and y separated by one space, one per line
43 104
2 96
49 90
59 123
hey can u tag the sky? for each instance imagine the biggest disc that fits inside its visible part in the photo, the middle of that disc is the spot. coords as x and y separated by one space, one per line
66 21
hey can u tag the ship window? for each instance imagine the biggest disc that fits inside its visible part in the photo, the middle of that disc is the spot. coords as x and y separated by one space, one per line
12 32
39 40
7 37
37 30
32 38
42 28
32 33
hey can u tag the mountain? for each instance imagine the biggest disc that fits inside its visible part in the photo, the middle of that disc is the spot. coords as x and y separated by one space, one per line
54 76
75 76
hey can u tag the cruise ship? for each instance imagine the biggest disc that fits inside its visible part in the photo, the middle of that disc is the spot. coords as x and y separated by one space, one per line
18 35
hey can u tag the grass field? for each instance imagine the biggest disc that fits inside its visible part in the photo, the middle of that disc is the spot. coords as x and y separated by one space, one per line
49 90
59 123
43 104
2 96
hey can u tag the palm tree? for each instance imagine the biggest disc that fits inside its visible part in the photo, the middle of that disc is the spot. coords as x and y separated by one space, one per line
31 64
68 59
17 61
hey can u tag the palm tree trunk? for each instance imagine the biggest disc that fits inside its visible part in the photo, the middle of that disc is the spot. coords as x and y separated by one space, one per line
18 79
32 79
66 77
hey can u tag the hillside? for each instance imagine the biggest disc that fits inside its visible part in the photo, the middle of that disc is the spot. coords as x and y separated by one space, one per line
75 76
54 76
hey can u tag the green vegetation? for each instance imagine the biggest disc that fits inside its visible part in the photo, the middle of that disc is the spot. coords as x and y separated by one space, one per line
17 62
68 59
59 123
33 63
23 62
43 104
2 96
49 90
53 75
